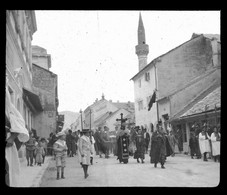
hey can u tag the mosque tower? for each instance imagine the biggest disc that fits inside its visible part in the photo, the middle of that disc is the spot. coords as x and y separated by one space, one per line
142 49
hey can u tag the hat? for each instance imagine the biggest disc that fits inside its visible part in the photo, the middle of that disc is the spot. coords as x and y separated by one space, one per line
85 130
60 134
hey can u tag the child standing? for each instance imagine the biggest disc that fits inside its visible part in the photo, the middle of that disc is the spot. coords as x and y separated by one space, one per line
39 153
60 149
44 145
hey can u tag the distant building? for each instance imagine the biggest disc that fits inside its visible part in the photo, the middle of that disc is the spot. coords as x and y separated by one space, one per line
102 111
45 84
178 75
40 57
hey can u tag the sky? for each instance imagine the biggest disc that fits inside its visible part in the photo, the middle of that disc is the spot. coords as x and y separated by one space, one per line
93 52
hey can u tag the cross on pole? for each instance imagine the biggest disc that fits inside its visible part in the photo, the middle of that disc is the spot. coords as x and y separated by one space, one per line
122 120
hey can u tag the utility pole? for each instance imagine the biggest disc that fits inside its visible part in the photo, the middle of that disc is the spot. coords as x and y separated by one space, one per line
156 91
81 120
90 119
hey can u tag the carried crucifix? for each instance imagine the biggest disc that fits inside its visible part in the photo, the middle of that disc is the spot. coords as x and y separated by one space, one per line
122 121
122 143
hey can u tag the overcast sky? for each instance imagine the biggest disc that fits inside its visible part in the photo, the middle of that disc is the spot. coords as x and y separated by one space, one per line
93 52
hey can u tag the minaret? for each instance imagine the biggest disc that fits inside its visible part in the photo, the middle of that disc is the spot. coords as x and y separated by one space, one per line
142 48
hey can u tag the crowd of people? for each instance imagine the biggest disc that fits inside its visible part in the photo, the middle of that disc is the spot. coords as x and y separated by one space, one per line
122 143
205 141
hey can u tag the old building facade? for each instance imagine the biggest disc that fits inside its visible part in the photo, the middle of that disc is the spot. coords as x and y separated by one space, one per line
33 97
179 76
20 27
45 84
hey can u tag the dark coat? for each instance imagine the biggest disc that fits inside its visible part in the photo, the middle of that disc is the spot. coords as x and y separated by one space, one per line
158 148
194 146
140 147
169 149
147 139
99 142
70 142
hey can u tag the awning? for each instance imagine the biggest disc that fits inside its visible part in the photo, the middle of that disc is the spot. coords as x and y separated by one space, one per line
32 100
206 105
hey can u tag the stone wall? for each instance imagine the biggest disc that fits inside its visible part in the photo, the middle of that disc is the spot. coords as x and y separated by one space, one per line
183 64
45 83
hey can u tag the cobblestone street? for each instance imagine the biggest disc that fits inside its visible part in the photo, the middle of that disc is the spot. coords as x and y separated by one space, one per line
181 171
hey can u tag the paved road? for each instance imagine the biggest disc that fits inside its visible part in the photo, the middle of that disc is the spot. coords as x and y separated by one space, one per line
181 171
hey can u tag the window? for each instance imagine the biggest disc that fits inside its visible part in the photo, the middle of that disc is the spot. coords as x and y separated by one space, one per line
140 105
140 83
147 76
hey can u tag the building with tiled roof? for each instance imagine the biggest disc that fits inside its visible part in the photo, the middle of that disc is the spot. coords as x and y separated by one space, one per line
109 119
99 113
205 108
208 104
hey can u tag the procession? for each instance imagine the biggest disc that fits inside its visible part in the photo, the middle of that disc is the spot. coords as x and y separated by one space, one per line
157 123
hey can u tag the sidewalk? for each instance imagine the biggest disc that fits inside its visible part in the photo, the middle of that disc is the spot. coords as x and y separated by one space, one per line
31 176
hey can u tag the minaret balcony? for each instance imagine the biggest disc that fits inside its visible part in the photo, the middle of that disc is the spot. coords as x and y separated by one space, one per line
142 49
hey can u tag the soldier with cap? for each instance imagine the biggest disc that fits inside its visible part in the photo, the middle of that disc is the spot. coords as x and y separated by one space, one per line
85 149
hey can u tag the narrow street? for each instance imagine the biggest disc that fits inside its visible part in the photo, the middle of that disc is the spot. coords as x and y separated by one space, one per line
181 171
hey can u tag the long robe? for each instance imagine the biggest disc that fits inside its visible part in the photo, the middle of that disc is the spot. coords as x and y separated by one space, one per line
204 143
158 148
39 153
122 145
99 142
85 149
194 146
169 149
140 147
215 144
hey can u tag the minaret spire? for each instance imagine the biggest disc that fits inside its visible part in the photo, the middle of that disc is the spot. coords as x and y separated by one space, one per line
141 31
142 48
